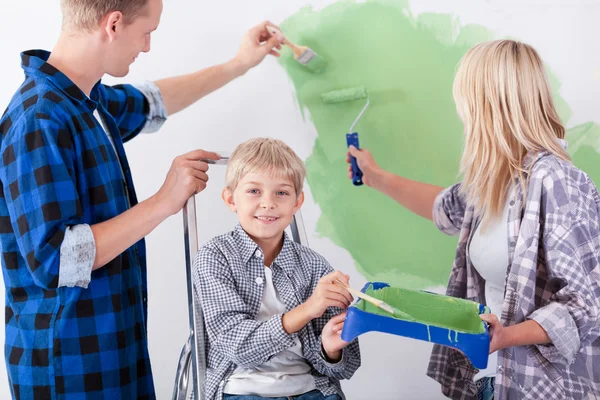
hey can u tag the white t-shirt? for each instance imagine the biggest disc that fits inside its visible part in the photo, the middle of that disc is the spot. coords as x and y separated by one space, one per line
488 252
287 373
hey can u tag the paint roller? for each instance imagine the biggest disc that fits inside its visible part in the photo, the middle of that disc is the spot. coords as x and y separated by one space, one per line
342 96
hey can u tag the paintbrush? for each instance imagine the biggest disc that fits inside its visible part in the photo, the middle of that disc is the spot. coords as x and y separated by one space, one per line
304 55
376 302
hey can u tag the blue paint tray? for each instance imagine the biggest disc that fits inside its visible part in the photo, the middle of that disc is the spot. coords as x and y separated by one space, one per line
439 319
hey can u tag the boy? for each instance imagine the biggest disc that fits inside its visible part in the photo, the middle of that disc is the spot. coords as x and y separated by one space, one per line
272 311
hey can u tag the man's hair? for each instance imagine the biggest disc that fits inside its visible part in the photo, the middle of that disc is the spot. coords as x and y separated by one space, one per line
265 155
85 14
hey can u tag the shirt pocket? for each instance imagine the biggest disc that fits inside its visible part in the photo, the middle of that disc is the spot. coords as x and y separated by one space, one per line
549 371
545 388
528 240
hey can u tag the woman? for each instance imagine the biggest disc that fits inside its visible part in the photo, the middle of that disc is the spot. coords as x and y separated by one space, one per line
528 222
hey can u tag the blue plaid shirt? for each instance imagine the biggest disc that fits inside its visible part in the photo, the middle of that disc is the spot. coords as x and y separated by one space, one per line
59 170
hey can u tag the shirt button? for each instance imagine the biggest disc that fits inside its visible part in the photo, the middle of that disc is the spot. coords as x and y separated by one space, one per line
222 383
259 281
258 254
512 203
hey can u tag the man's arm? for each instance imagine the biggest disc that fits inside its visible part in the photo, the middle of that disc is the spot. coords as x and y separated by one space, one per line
182 91
186 177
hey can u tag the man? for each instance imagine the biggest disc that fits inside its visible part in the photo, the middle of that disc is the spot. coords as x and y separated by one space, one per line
71 228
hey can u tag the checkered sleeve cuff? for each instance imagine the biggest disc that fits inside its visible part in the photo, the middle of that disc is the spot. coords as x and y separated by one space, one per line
77 255
279 335
440 217
158 113
562 330
329 367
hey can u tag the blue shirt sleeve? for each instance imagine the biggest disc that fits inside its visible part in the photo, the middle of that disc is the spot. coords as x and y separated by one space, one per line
38 179
128 106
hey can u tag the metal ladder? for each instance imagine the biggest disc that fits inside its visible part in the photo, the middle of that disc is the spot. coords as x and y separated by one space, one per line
191 369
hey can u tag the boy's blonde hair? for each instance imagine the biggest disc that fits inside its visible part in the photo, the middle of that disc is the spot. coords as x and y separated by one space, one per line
85 14
265 155
503 97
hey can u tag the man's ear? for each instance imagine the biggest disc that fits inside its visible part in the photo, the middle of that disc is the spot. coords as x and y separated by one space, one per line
299 202
227 196
112 24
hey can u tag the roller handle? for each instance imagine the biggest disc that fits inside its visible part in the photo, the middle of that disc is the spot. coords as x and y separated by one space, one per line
352 140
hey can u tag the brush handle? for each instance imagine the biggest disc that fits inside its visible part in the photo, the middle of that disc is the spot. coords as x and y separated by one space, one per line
296 50
376 302
352 140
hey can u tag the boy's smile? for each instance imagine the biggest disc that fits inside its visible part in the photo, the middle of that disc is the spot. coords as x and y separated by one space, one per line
265 205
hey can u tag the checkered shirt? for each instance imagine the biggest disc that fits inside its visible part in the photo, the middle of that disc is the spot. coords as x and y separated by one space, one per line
59 170
553 278
226 272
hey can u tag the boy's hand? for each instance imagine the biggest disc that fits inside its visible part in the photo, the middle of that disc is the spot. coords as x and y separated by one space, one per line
331 337
327 294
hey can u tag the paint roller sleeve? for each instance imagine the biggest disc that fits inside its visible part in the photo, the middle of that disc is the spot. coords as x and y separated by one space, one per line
340 96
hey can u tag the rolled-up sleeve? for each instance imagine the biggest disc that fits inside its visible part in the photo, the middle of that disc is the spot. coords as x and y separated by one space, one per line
571 246
135 109
157 113
77 255
41 194
449 210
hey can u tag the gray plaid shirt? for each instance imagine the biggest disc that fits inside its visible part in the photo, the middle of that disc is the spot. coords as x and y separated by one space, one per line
553 277
229 279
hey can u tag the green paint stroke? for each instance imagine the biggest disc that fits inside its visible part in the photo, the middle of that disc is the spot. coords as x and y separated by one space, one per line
428 308
408 66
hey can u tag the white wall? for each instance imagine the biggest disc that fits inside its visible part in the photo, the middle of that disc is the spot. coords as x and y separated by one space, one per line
196 34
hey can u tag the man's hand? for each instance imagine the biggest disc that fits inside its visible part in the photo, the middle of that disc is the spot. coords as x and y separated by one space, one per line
256 45
327 294
187 176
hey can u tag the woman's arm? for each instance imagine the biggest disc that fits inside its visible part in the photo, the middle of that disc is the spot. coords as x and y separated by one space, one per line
524 334
416 196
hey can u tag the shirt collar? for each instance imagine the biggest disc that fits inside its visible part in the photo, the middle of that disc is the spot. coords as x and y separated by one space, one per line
533 156
248 247
34 63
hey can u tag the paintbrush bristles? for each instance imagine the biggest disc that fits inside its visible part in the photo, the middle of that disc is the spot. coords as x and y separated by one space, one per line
387 308
312 60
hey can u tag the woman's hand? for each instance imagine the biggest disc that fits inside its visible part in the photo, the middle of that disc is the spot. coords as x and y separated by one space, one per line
366 163
497 332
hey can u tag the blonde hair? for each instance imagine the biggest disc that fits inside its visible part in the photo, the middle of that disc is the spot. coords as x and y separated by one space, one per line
265 155
85 14
503 97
